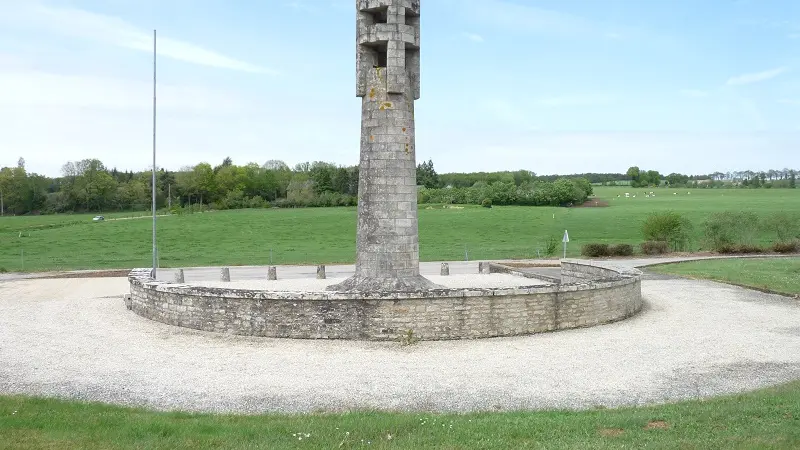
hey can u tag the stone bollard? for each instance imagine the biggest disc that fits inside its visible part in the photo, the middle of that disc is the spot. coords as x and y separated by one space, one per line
321 272
445 270
179 276
273 273
225 274
483 268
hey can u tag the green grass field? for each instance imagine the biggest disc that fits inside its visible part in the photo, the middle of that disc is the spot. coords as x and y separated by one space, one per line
779 275
767 418
327 235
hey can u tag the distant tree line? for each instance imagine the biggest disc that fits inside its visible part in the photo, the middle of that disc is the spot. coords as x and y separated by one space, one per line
774 178
89 186
561 192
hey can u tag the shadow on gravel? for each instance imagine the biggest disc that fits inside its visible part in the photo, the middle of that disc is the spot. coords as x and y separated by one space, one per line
737 376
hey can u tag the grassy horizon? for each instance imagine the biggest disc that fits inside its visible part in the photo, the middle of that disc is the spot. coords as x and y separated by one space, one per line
327 235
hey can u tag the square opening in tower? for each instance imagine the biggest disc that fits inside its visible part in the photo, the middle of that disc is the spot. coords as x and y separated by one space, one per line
379 53
411 18
379 15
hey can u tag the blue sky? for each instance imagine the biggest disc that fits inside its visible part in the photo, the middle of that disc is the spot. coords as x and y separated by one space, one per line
552 86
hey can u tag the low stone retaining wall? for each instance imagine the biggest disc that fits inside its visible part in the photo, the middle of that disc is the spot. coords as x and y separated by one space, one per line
432 315
500 268
580 271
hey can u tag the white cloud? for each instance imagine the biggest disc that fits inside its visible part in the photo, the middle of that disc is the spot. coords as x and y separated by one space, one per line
302 6
576 100
474 37
31 88
83 24
52 118
527 18
8 62
509 112
695 93
577 152
521 17
50 135
756 77
504 110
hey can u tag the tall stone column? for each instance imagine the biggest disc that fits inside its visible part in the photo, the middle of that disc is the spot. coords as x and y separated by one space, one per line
387 242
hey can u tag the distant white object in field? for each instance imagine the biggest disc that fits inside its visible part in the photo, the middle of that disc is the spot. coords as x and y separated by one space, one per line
634 195
627 195
688 193
674 193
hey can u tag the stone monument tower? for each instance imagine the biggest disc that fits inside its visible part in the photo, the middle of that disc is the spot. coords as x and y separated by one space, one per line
387 74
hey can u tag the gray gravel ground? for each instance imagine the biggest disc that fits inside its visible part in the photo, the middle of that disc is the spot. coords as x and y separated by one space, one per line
495 280
241 273
74 338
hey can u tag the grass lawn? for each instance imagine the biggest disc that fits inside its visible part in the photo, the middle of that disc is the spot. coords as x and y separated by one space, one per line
327 235
780 275
33 223
768 418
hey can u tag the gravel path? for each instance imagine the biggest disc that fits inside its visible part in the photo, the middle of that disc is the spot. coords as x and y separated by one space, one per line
74 338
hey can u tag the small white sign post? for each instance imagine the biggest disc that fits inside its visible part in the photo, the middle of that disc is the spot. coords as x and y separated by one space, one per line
565 240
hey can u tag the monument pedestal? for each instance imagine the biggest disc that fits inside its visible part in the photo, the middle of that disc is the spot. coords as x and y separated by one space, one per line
373 284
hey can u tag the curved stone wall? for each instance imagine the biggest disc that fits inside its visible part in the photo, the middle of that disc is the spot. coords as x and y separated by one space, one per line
591 293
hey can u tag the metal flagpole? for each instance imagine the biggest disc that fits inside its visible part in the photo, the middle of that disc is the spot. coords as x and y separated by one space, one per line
155 263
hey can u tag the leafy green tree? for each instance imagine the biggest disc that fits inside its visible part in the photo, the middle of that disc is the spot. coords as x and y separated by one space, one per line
230 178
89 186
300 191
205 184
344 181
100 190
585 186
227 162
633 174
302 167
677 179
426 175
650 178
14 188
523 176
133 195
322 174
282 175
